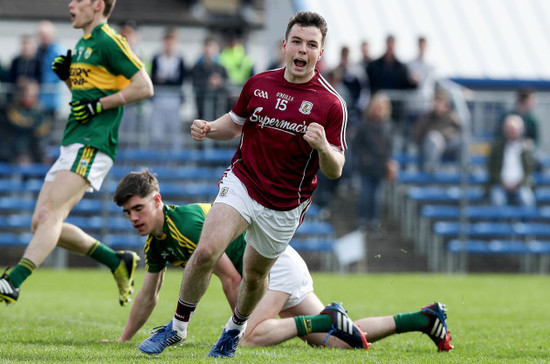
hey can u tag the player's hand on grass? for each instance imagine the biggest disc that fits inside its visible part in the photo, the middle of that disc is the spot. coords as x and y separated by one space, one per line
84 110
61 65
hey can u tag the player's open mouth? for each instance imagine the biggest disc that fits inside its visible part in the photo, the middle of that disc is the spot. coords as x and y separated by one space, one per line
299 63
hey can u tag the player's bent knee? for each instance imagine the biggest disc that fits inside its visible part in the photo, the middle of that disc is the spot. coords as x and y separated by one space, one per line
205 256
43 216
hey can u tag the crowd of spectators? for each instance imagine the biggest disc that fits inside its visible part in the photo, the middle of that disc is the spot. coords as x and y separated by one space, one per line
421 115
30 98
422 123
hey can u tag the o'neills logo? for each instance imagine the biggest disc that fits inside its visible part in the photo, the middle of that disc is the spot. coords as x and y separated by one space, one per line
283 125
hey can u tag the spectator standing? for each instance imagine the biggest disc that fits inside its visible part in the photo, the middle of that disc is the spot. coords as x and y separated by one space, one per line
133 128
365 55
364 64
354 80
129 29
420 99
279 60
238 64
4 73
24 126
25 64
389 73
526 101
438 133
372 147
168 74
511 165
210 81
50 84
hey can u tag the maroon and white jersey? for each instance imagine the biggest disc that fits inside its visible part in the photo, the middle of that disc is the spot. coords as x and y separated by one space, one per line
275 163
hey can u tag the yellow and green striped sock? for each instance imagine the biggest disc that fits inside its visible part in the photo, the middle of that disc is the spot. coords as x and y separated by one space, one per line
104 255
315 323
22 271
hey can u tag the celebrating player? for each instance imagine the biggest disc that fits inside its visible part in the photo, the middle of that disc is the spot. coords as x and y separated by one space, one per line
103 75
172 236
291 123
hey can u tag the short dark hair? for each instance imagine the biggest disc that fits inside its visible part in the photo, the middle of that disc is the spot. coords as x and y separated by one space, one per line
141 183
109 6
524 93
170 32
308 19
130 23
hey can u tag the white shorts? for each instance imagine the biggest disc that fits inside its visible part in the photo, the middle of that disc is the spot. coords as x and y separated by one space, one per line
270 230
86 161
289 274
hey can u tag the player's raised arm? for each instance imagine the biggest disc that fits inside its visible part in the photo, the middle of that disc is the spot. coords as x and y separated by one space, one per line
223 128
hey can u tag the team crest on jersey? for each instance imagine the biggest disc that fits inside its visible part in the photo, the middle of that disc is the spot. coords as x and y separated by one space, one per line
83 163
223 191
306 107
87 53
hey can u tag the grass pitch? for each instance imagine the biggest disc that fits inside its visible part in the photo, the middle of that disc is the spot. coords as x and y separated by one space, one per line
67 316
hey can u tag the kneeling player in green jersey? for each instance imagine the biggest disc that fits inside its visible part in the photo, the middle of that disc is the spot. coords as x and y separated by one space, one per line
103 75
172 236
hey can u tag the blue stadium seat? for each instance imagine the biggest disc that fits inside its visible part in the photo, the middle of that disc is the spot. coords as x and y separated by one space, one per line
521 231
34 170
125 240
10 187
418 196
18 222
542 196
89 206
315 228
17 204
181 173
461 250
7 169
541 250
120 223
312 245
9 239
87 223
209 156
488 247
532 229
417 177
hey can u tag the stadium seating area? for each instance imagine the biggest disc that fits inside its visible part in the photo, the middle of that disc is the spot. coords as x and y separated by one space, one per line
188 176
449 218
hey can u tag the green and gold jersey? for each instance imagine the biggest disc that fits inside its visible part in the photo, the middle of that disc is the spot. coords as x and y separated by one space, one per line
181 231
102 64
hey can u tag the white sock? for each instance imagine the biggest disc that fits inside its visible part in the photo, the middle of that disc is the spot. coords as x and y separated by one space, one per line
180 327
231 325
